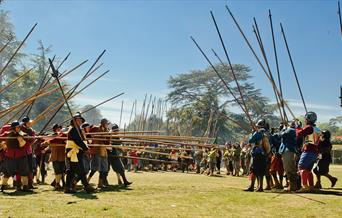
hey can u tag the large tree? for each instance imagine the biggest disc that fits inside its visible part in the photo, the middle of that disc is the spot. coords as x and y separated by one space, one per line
202 105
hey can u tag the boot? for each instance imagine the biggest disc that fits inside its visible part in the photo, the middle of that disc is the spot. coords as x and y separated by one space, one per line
260 181
251 187
30 185
53 183
318 185
68 190
333 181
89 189
26 189
100 184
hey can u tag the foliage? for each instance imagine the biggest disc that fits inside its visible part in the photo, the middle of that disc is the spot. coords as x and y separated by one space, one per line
29 84
93 116
202 106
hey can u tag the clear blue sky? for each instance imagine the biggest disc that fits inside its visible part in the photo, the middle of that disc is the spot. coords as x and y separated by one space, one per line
148 41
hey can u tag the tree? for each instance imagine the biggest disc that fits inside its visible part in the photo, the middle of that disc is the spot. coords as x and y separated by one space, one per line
29 84
201 103
93 116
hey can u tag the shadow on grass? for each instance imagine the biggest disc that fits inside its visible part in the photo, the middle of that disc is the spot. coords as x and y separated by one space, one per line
320 192
84 195
19 193
116 188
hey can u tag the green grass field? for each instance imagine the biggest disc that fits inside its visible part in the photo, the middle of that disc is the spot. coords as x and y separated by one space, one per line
167 194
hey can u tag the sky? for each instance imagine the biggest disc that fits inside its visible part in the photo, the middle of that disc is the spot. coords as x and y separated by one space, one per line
148 41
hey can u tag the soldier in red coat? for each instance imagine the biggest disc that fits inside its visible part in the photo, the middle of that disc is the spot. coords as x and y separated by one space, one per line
16 158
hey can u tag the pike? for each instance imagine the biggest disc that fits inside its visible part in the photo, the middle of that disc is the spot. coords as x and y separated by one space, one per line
293 68
48 109
277 65
5 46
27 100
262 49
16 51
122 103
29 107
146 113
90 70
65 74
257 108
101 103
15 80
42 85
254 54
55 74
232 69
222 114
339 15
221 78
130 116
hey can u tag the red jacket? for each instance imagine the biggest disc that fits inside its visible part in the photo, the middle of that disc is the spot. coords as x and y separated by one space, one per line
13 150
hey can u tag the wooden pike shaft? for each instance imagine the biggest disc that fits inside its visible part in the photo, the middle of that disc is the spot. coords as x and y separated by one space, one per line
223 81
293 68
122 103
26 101
222 114
55 75
263 52
254 54
5 46
16 51
277 66
88 73
233 72
61 102
339 16
101 103
39 88
15 80
129 148
130 116
256 107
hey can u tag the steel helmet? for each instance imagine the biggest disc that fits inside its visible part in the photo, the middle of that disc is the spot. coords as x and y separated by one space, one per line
261 123
311 116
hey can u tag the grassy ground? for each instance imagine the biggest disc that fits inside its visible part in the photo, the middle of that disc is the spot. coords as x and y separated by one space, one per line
166 194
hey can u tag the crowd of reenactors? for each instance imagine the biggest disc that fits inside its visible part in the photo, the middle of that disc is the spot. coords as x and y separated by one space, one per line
72 152
286 157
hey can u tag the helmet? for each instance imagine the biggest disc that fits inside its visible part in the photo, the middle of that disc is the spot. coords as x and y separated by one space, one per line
26 119
261 123
78 116
56 126
85 125
15 124
311 116
326 134
115 127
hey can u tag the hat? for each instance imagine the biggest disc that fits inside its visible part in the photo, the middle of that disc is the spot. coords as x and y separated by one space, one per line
261 123
85 125
15 124
115 127
56 126
26 119
78 116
